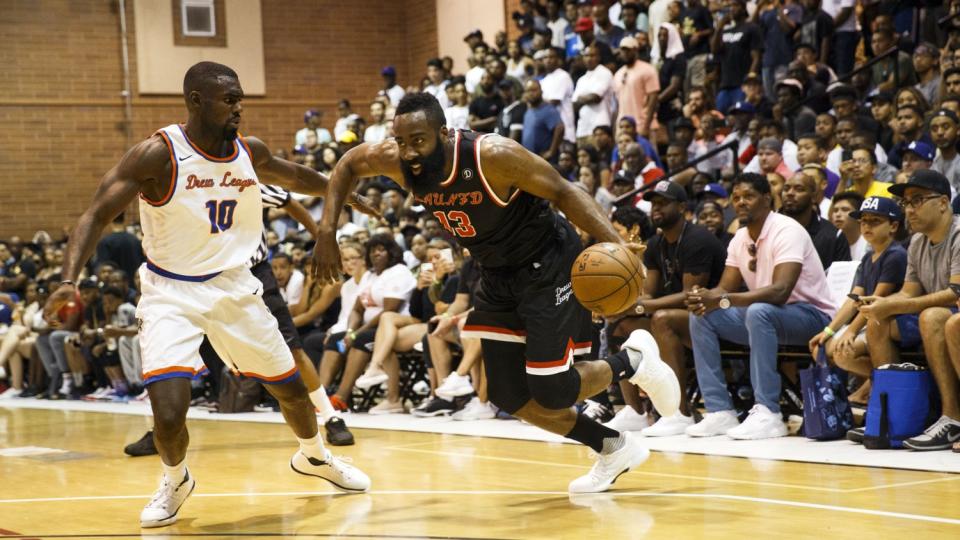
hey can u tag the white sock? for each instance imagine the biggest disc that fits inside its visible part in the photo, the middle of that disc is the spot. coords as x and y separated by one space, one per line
175 473
313 447
322 403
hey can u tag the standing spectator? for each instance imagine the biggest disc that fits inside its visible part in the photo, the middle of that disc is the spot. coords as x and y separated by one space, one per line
438 81
944 132
778 20
670 63
346 117
542 127
311 119
484 109
815 30
735 40
636 85
796 117
557 87
633 20
379 128
919 312
799 194
121 247
606 31
696 27
390 87
926 59
519 65
784 303
458 112
845 33
498 70
592 96
511 117
556 24
472 77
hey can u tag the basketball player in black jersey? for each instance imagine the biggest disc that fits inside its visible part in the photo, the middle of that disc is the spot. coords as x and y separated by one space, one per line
494 196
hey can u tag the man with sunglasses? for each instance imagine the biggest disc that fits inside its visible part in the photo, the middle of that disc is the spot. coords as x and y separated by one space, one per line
784 302
919 312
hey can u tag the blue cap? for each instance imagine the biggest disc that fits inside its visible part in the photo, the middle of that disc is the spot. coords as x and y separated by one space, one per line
388 71
310 114
922 149
742 106
881 206
715 189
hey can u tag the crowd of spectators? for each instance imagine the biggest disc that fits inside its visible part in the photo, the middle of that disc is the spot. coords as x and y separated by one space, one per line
771 140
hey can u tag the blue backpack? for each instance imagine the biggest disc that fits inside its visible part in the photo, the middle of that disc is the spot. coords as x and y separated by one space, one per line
903 402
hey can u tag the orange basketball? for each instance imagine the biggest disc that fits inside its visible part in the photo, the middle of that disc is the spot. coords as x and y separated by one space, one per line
607 278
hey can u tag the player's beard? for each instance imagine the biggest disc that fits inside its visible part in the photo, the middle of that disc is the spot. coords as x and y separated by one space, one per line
229 132
431 170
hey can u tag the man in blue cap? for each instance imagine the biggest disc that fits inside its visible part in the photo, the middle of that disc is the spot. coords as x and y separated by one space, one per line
390 87
311 121
918 155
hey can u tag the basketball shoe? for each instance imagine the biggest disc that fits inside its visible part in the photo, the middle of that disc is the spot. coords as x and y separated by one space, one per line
651 373
610 466
337 471
166 502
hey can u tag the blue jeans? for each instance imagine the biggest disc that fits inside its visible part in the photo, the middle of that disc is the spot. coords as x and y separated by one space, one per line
726 97
763 327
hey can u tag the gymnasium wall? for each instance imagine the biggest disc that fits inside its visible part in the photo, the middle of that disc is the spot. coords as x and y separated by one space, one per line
61 112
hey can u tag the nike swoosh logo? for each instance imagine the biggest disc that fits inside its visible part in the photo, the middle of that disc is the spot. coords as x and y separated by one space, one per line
188 157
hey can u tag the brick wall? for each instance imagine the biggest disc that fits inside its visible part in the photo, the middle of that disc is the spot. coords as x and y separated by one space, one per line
61 112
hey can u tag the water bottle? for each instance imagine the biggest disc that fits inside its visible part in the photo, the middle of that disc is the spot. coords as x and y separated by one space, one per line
341 347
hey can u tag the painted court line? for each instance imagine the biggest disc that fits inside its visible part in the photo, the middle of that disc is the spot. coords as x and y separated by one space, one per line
471 493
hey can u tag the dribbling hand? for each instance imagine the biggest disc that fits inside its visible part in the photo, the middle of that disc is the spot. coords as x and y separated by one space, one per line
62 296
327 267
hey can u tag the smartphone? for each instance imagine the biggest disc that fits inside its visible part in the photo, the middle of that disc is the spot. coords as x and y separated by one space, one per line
854 296
955 287
426 267
447 255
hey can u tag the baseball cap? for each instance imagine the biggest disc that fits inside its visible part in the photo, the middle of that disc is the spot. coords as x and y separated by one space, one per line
881 206
629 42
683 122
583 24
89 283
311 113
947 113
840 90
924 179
716 190
475 33
922 149
624 176
388 71
884 96
667 190
792 83
742 107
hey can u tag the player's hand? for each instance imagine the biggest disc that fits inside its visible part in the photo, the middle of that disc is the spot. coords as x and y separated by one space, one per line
327 267
64 295
638 249
363 205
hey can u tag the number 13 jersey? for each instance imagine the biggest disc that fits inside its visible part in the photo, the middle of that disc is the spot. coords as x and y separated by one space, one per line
498 233
210 218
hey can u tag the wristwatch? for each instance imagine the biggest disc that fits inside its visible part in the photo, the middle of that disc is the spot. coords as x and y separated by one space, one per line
724 301
639 309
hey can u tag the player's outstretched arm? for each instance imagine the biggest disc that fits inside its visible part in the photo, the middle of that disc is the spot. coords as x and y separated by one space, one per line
381 159
143 168
507 164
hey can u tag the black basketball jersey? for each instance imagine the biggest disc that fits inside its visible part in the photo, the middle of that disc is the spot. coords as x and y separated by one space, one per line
498 233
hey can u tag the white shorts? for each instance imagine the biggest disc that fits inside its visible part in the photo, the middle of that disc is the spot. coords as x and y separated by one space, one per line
175 313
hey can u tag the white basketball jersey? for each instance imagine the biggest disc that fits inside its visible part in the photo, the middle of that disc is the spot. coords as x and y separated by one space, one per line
210 220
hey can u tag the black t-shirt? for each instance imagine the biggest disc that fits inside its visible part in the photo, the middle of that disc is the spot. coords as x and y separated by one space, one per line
697 251
24 266
813 28
831 246
123 249
735 59
511 116
484 107
672 67
693 20
420 305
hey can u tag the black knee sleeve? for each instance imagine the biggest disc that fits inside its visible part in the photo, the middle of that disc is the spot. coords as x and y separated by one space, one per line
557 391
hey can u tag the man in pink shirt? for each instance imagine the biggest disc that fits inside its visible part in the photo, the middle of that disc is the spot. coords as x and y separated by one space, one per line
636 85
770 157
785 303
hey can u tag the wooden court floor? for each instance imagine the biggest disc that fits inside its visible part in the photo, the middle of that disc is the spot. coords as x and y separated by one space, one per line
442 486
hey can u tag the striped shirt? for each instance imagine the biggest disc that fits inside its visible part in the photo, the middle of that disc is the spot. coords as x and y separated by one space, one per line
270 197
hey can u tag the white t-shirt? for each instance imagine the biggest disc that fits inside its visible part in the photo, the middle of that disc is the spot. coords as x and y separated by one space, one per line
472 78
394 282
833 7
439 91
558 86
348 297
376 133
395 93
858 249
323 136
457 117
599 81
294 290
341 126
558 29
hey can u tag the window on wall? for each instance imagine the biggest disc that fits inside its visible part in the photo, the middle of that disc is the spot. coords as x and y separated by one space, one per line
199 23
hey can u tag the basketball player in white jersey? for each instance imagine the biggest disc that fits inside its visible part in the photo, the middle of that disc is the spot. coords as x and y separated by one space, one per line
200 210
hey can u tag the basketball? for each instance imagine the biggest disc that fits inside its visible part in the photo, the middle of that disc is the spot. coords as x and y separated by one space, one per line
607 278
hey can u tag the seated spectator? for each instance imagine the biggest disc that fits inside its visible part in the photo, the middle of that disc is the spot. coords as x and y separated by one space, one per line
709 214
919 312
770 157
379 128
842 206
17 342
542 127
796 117
881 274
567 164
799 194
15 270
917 156
770 129
289 278
683 255
677 159
784 303
50 346
458 112
886 76
945 134
636 162
857 174
311 120
627 127
926 58
909 129
883 111
346 116
101 334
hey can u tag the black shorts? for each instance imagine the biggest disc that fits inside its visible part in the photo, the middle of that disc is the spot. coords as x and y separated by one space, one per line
277 305
533 307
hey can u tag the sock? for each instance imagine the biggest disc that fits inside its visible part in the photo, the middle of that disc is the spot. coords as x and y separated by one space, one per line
620 364
612 444
592 434
322 403
313 447
175 473
78 379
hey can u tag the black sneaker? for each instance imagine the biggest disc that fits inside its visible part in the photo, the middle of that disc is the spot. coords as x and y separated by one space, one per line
434 407
940 436
856 435
143 447
337 432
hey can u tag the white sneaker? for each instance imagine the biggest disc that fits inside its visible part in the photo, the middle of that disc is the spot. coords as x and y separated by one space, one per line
374 376
10 393
455 385
387 407
627 419
761 424
166 502
337 471
652 375
668 426
476 411
609 467
713 424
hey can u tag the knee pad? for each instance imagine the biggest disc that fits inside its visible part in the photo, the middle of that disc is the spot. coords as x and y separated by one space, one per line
556 391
